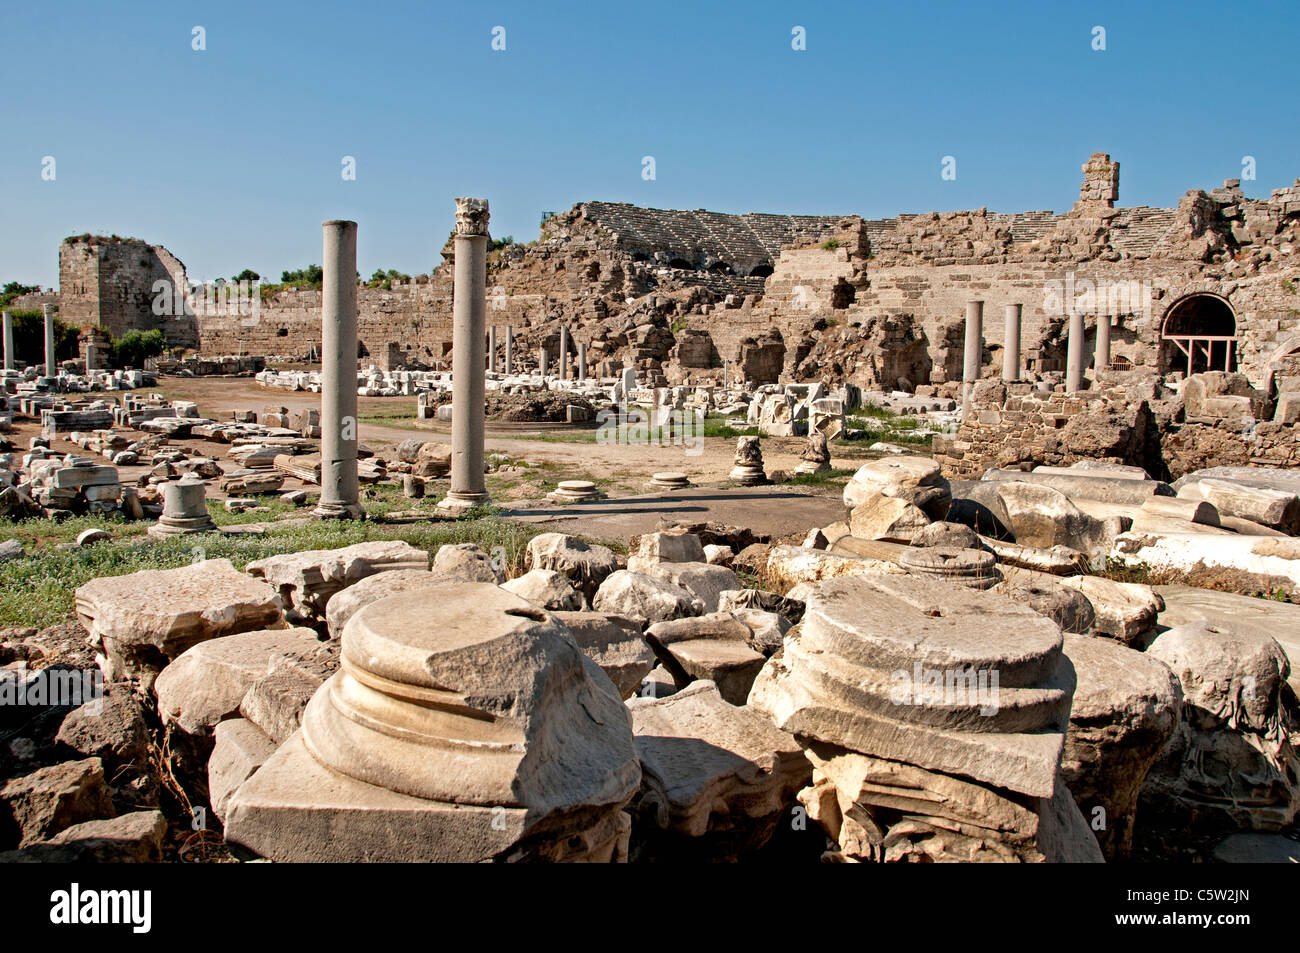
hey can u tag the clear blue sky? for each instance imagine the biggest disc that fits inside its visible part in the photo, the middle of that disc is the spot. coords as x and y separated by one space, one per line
231 157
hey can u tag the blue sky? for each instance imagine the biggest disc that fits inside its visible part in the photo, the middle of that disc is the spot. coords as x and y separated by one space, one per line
231 156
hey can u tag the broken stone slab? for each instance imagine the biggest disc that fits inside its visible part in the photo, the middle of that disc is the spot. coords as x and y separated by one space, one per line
144 619
1043 517
252 483
644 599
711 772
584 564
1232 761
1184 604
789 610
134 838
1200 512
791 565
275 702
651 548
113 729
240 748
860 672
716 647
467 561
887 518
1248 564
306 580
1104 488
719 555
546 588
1126 707
54 798
942 533
703 581
1277 509
464 724
884 811
613 643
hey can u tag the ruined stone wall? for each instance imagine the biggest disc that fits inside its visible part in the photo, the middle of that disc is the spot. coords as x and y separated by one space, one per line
112 284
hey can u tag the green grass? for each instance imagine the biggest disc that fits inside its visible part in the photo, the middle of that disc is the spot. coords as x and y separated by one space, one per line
715 425
43 533
37 590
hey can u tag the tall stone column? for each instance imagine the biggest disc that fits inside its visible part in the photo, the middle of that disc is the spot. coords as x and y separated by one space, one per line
541 361
974 347
582 362
469 315
51 359
564 353
1074 354
1102 361
340 492
510 349
8 323
492 349
1011 344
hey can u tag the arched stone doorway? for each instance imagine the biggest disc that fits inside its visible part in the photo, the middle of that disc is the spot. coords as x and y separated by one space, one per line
1199 334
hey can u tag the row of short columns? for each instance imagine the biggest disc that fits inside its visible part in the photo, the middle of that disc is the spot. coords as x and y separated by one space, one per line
1074 362
543 356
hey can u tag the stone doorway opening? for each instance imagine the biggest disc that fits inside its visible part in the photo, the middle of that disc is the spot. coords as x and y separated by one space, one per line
1199 334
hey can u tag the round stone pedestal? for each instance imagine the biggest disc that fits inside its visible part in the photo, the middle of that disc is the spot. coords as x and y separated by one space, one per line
747 475
670 480
185 509
973 568
575 491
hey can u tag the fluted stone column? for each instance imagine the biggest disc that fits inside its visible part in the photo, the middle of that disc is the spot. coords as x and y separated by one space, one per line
974 347
469 315
564 353
340 492
1074 354
8 323
1011 344
510 349
582 362
492 349
51 359
1102 361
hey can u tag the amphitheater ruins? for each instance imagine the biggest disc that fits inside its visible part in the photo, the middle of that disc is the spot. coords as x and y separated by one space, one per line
1044 610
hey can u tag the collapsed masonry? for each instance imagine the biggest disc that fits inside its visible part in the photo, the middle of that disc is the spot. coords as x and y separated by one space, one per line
1208 285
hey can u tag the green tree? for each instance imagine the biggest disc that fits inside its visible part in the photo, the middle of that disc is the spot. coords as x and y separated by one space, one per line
248 274
135 346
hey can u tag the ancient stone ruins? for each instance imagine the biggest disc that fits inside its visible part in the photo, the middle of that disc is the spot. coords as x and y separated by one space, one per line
1051 619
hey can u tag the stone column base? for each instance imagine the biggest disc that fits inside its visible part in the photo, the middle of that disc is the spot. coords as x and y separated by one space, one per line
748 476
458 502
173 526
339 511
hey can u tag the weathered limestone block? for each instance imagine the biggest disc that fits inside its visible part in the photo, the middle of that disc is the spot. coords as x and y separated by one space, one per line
715 778
134 838
791 565
1057 561
240 749
1279 509
51 799
887 518
1232 761
1126 707
113 728
206 684
467 561
584 564
644 599
465 725
705 582
717 647
915 479
546 588
432 460
1068 608
951 535
275 702
613 643
307 580
651 548
142 620
1124 610
1043 517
